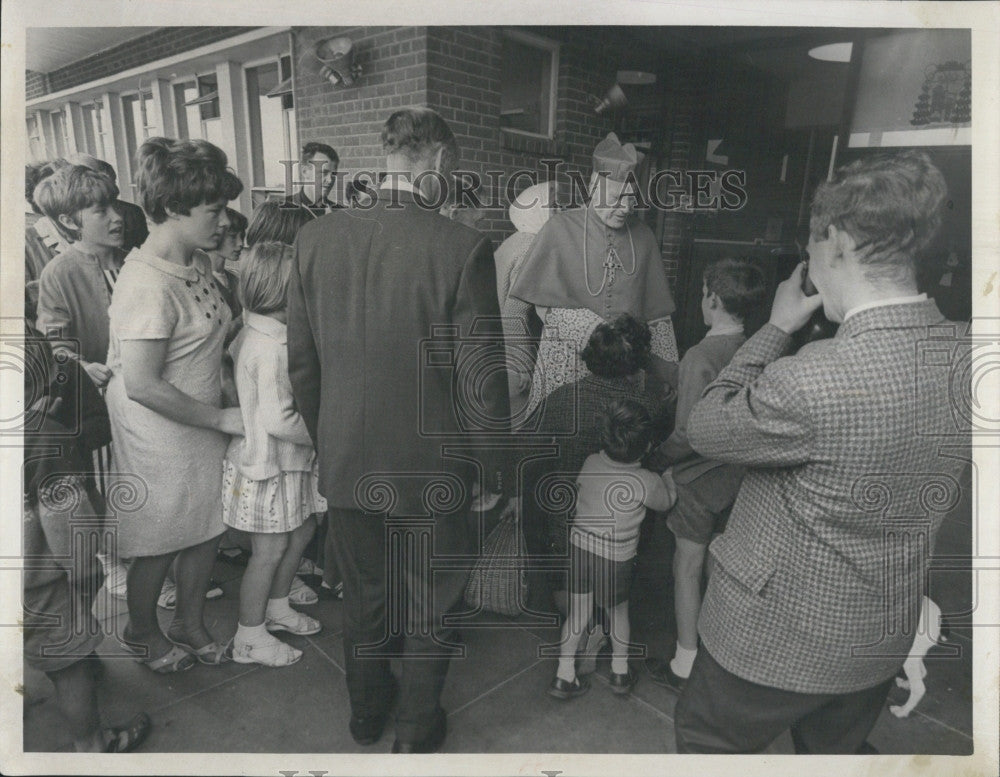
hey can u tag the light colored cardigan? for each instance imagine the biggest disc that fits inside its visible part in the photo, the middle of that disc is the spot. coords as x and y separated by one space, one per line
276 438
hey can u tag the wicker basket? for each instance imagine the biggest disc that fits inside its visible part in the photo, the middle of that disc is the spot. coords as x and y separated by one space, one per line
498 582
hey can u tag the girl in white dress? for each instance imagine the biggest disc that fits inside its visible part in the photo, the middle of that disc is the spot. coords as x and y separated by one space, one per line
270 477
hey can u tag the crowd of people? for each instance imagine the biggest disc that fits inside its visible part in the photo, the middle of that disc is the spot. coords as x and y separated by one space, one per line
263 381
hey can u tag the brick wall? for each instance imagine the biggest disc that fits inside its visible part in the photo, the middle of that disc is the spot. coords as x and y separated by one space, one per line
350 119
36 84
457 71
163 42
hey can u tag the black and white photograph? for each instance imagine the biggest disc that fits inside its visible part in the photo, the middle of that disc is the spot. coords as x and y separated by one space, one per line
470 388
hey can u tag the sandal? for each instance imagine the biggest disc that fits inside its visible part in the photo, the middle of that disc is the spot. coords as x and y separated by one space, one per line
274 653
301 594
130 736
211 654
174 660
296 623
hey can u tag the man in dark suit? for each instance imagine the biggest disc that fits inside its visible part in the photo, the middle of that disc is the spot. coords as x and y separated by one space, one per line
812 605
392 312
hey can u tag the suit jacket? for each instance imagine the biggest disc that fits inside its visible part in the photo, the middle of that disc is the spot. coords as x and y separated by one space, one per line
393 331
822 566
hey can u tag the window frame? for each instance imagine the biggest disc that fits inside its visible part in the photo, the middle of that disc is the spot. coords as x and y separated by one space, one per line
291 143
552 47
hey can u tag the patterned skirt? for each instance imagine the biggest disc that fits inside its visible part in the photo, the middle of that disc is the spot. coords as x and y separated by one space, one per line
272 506
564 337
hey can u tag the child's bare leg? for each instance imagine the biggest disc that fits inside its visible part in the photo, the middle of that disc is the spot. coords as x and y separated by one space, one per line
689 559
268 551
77 699
621 634
297 541
580 607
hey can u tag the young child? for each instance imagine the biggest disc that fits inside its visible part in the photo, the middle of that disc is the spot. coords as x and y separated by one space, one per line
225 261
60 631
613 492
74 290
731 290
270 479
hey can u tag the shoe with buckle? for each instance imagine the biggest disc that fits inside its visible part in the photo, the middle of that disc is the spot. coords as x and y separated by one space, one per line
368 730
430 743
622 684
661 674
564 691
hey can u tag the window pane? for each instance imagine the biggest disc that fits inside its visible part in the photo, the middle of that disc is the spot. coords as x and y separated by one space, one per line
87 114
59 131
526 88
133 128
206 85
267 126
35 144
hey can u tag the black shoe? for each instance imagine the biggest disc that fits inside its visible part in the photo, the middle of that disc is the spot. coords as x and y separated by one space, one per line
368 730
622 684
560 689
661 674
430 743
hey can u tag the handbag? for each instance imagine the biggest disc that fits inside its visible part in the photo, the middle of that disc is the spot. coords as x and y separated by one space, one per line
498 581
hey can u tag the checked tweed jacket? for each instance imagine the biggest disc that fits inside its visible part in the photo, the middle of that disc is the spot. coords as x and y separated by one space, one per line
854 458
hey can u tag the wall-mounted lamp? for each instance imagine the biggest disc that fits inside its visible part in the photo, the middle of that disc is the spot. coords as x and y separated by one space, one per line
833 52
332 59
613 99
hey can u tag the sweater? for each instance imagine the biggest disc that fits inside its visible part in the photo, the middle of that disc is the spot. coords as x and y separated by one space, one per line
277 439
611 502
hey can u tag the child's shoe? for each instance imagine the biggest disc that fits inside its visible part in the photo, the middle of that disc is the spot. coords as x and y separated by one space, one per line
564 690
268 652
293 622
301 594
622 684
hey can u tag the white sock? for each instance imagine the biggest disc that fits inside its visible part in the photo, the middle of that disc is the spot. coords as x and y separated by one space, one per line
681 663
278 608
251 635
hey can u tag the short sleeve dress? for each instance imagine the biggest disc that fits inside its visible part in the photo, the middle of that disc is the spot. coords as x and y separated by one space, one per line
180 465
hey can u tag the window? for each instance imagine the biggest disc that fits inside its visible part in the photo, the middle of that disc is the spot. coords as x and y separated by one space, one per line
271 116
36 146
137 110
59 133
530 68
99 130
89 139
198 114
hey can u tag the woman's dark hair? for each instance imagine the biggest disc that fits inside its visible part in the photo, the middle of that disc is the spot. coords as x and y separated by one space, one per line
618 349
277 222
626 430
738 283
181 174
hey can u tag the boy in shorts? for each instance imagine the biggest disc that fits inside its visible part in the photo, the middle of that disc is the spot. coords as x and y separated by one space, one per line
613 492
706 489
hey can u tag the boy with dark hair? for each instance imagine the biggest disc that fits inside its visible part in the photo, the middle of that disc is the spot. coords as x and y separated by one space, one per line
706 489
613 492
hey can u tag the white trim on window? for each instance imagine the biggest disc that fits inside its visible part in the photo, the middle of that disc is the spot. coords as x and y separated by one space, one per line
552 47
